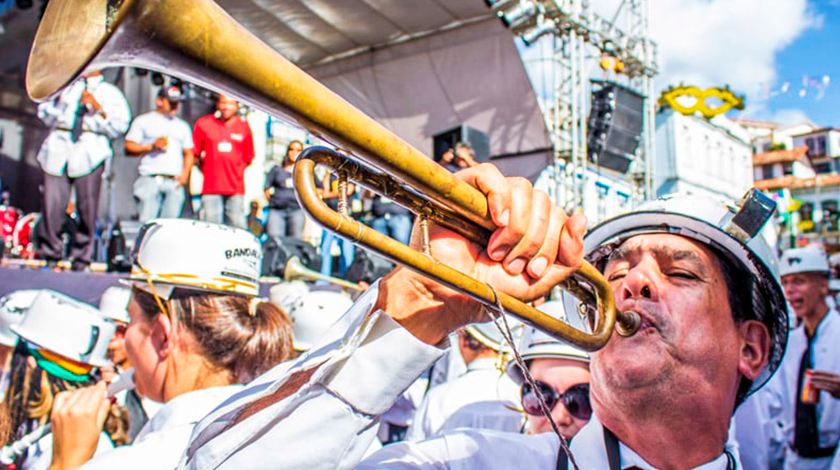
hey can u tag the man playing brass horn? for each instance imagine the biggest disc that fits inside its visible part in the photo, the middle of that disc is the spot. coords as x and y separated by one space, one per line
713 331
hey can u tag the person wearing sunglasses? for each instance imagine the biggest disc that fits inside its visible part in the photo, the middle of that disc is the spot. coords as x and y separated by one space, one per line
695 270
561 373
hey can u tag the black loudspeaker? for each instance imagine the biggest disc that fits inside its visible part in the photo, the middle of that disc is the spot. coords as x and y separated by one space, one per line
479 141
367 267
615 126
276 250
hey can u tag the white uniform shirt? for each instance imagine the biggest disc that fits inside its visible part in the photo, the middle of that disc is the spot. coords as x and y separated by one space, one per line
58 153
149 127
483 383
165 436
320 412
39 456
469 449
825 355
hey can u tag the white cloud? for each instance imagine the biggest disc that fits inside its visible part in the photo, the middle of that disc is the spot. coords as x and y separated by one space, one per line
718 42
790 116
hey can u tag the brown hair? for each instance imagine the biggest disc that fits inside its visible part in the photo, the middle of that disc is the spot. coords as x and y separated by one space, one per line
30 395
230 338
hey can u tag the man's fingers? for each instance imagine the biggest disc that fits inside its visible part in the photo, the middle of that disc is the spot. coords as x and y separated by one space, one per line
490 181
571 241
508 237
548 252
529 245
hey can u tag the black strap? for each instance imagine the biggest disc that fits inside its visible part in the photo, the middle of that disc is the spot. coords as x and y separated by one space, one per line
562 460
613 451
805 433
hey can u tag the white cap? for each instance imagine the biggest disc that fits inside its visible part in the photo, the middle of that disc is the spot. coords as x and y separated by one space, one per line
536 344
803 260
189 254
114 304
68 327
13 307
313 313
489 335
734 230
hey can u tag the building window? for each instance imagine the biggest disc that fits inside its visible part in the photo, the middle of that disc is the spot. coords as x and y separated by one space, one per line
809 142
767 172
806 214
831 216
787 168
824 167
821 145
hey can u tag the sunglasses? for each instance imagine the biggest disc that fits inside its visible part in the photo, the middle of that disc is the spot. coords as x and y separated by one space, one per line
575 399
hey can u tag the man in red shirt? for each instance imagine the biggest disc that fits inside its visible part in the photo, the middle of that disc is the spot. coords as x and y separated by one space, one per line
225 147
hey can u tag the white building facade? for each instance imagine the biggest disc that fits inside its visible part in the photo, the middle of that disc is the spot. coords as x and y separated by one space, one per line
706 158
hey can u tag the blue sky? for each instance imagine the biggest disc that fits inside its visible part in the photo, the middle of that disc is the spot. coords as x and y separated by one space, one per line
815 53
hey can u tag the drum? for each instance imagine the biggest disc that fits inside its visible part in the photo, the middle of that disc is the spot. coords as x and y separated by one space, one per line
23 237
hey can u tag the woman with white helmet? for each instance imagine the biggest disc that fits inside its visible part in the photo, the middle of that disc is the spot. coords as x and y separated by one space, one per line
62 342
197 331
561 372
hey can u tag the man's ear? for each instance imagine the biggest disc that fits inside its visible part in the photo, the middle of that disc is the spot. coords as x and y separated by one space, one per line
164 335
755 349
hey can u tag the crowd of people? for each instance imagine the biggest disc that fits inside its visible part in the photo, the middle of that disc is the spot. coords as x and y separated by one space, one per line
87 117
734 364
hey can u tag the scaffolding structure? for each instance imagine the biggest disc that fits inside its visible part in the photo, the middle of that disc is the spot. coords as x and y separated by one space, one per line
579 39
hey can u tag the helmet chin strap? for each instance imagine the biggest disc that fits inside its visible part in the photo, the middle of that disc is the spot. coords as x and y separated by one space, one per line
498 315
154 292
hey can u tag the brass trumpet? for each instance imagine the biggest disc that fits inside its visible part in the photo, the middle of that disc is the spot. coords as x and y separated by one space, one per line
198 41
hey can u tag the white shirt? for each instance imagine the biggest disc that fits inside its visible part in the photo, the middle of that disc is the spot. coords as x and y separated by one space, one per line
325 405
149 127
470 449
165 436
482 384
758 432
59 154
825 355
39 456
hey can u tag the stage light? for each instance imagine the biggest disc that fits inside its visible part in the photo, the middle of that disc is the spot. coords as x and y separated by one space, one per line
141 72
542 28
517 14
157 78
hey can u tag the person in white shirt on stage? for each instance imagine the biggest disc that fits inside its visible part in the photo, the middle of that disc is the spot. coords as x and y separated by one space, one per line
697 273
198 330
83 120
808 385
164 143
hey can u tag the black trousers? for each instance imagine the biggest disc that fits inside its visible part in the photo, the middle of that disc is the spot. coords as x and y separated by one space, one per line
54 203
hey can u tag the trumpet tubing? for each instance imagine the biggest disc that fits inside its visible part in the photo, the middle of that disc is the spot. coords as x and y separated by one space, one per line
199 42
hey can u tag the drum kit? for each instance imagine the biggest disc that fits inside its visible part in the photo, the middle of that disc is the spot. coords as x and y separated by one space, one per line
18 232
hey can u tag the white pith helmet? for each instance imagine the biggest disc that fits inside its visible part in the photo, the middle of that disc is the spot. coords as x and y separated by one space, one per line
803 260
489 335
13 307
313 313
113 305
68 327
536 344
732 230
194 255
